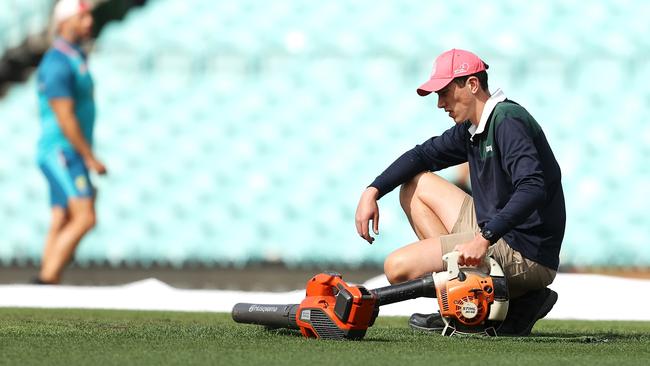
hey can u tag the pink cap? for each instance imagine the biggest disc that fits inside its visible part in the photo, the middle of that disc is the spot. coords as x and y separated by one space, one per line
450 65
65 9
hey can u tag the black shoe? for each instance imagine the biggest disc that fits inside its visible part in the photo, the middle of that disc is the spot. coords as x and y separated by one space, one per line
427 322
525 311
38 281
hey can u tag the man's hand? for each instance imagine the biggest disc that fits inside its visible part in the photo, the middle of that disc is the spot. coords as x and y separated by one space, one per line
472 253
95 165
367 210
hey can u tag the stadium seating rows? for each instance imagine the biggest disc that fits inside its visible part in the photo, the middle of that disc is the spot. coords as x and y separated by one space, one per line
237 131
20 19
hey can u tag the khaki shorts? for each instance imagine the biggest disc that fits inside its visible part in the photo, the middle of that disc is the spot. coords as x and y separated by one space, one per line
523 274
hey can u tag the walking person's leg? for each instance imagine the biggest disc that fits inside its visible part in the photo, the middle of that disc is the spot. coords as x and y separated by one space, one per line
61 244
58 220
72 198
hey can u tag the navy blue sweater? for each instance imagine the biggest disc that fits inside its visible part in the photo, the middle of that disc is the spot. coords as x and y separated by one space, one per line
516 181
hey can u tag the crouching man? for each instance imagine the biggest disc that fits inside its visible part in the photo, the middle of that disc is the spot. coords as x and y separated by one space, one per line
516 213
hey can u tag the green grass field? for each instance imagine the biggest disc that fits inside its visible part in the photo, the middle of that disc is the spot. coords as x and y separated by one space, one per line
103 337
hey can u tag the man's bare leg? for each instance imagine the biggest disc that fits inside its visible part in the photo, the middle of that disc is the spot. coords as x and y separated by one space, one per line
432 205
81 218
58 220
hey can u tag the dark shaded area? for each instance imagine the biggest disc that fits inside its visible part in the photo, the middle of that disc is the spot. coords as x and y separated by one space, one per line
17 63
258 277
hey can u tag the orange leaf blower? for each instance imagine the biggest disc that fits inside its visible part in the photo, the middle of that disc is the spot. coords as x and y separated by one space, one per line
470 301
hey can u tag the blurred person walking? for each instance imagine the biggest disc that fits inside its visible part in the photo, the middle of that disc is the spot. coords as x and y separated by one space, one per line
516 213
462 180
64 153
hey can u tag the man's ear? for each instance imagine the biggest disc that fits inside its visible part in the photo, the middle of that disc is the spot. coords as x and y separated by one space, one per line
474 84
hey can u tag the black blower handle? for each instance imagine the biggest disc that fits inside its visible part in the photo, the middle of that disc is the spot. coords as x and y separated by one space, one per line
270 315
419 287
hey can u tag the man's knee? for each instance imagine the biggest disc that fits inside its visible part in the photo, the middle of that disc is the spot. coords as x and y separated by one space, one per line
84 216
396 268
86 220
408 190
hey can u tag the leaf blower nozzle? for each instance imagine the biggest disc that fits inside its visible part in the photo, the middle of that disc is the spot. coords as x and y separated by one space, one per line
419 287
269 315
